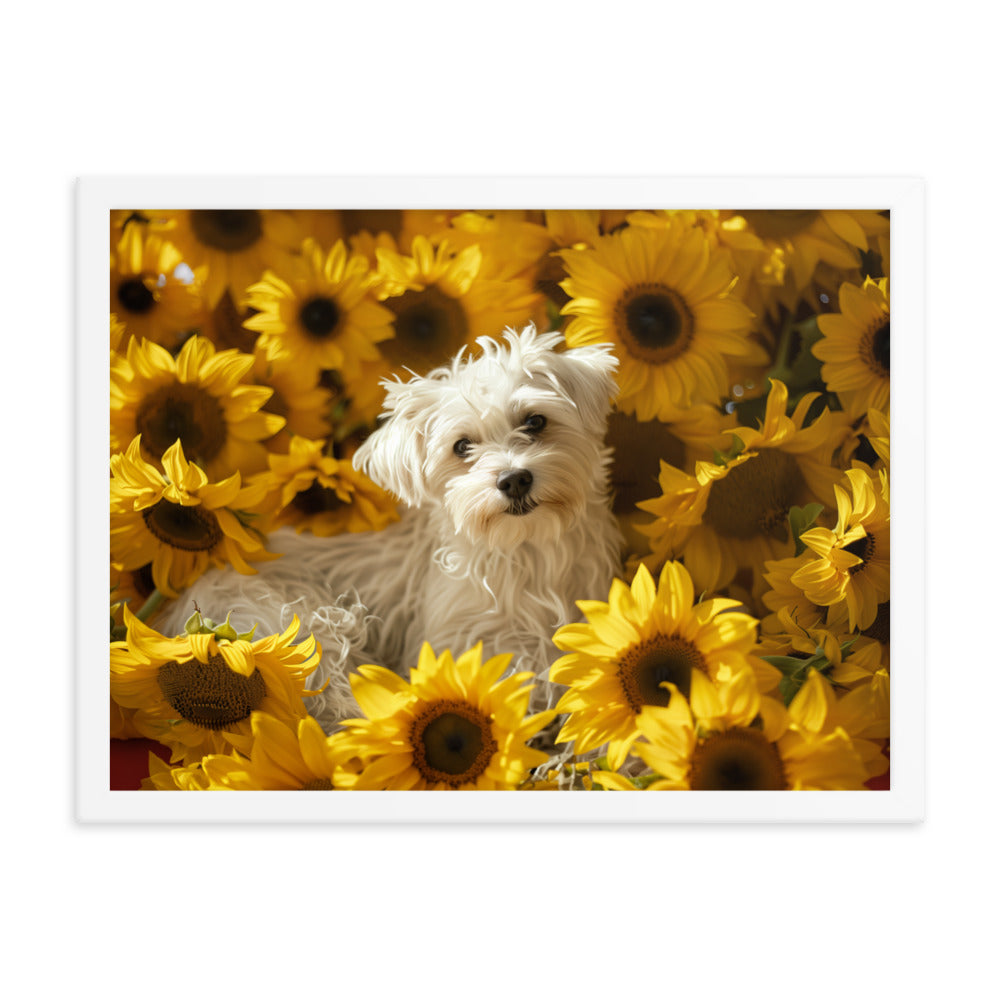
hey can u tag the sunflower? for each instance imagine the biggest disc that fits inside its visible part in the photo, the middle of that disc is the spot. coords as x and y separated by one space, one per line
147 295
358 401
195 693
164 778
803 249
644 636
851 562
390 229
235 246
639 446
119 337
318 310
179 522
845 658
454 725
855 347
733 512
582 228
197 398
134 587
122 727
314 491
878 438
285 755
571 228
223 326
441 301
729 737
783 595
513 246
664 298
297 397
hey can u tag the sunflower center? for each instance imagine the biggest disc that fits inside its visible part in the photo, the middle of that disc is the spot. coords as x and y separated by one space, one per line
319 317
875 350
452 743
879 629
430 327
210 694
864 549
185 411
776 224
316 499
737 760
755 497
192 529
654 322
230 229
643 667
135 297
318 785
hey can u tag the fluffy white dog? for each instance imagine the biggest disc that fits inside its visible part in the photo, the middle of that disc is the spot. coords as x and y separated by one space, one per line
500 460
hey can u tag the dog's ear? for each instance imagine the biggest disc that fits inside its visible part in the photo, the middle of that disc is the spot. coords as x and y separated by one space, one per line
587 377
394 455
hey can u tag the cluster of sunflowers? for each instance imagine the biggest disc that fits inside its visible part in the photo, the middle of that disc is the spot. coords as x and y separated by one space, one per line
746 645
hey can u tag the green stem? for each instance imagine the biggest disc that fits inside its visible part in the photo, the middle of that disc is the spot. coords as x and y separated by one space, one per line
781 369
154 600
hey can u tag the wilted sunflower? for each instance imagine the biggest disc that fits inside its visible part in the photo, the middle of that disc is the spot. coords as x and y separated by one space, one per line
235 245
645 636
855 347
441 302
851 563
454 725
177 522
195 693
147 295
314 491
735 514
198 398
318 310
665 299
731 738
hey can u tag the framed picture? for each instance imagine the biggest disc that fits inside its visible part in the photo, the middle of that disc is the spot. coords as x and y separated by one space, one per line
584 492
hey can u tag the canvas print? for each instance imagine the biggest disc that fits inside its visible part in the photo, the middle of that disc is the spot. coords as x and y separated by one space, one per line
527 500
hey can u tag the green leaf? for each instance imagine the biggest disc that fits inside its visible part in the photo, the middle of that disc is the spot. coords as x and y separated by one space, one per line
725 457
801 519
644 780
788 689
788 665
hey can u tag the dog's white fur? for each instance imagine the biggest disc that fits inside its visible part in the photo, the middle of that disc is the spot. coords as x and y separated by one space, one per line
459 567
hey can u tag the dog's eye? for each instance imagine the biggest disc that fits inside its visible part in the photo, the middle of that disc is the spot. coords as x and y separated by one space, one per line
462 447
535 423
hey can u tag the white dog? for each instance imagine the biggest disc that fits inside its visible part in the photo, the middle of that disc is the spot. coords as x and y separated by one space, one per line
501 462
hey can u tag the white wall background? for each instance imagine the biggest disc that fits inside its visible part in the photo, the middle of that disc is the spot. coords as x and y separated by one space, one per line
520 88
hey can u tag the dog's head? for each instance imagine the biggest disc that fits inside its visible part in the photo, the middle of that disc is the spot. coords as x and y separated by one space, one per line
510 442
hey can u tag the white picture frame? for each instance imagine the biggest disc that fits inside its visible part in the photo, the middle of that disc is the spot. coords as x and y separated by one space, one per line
903 802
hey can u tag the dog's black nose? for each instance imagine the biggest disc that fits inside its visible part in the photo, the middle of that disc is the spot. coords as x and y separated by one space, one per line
516 483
